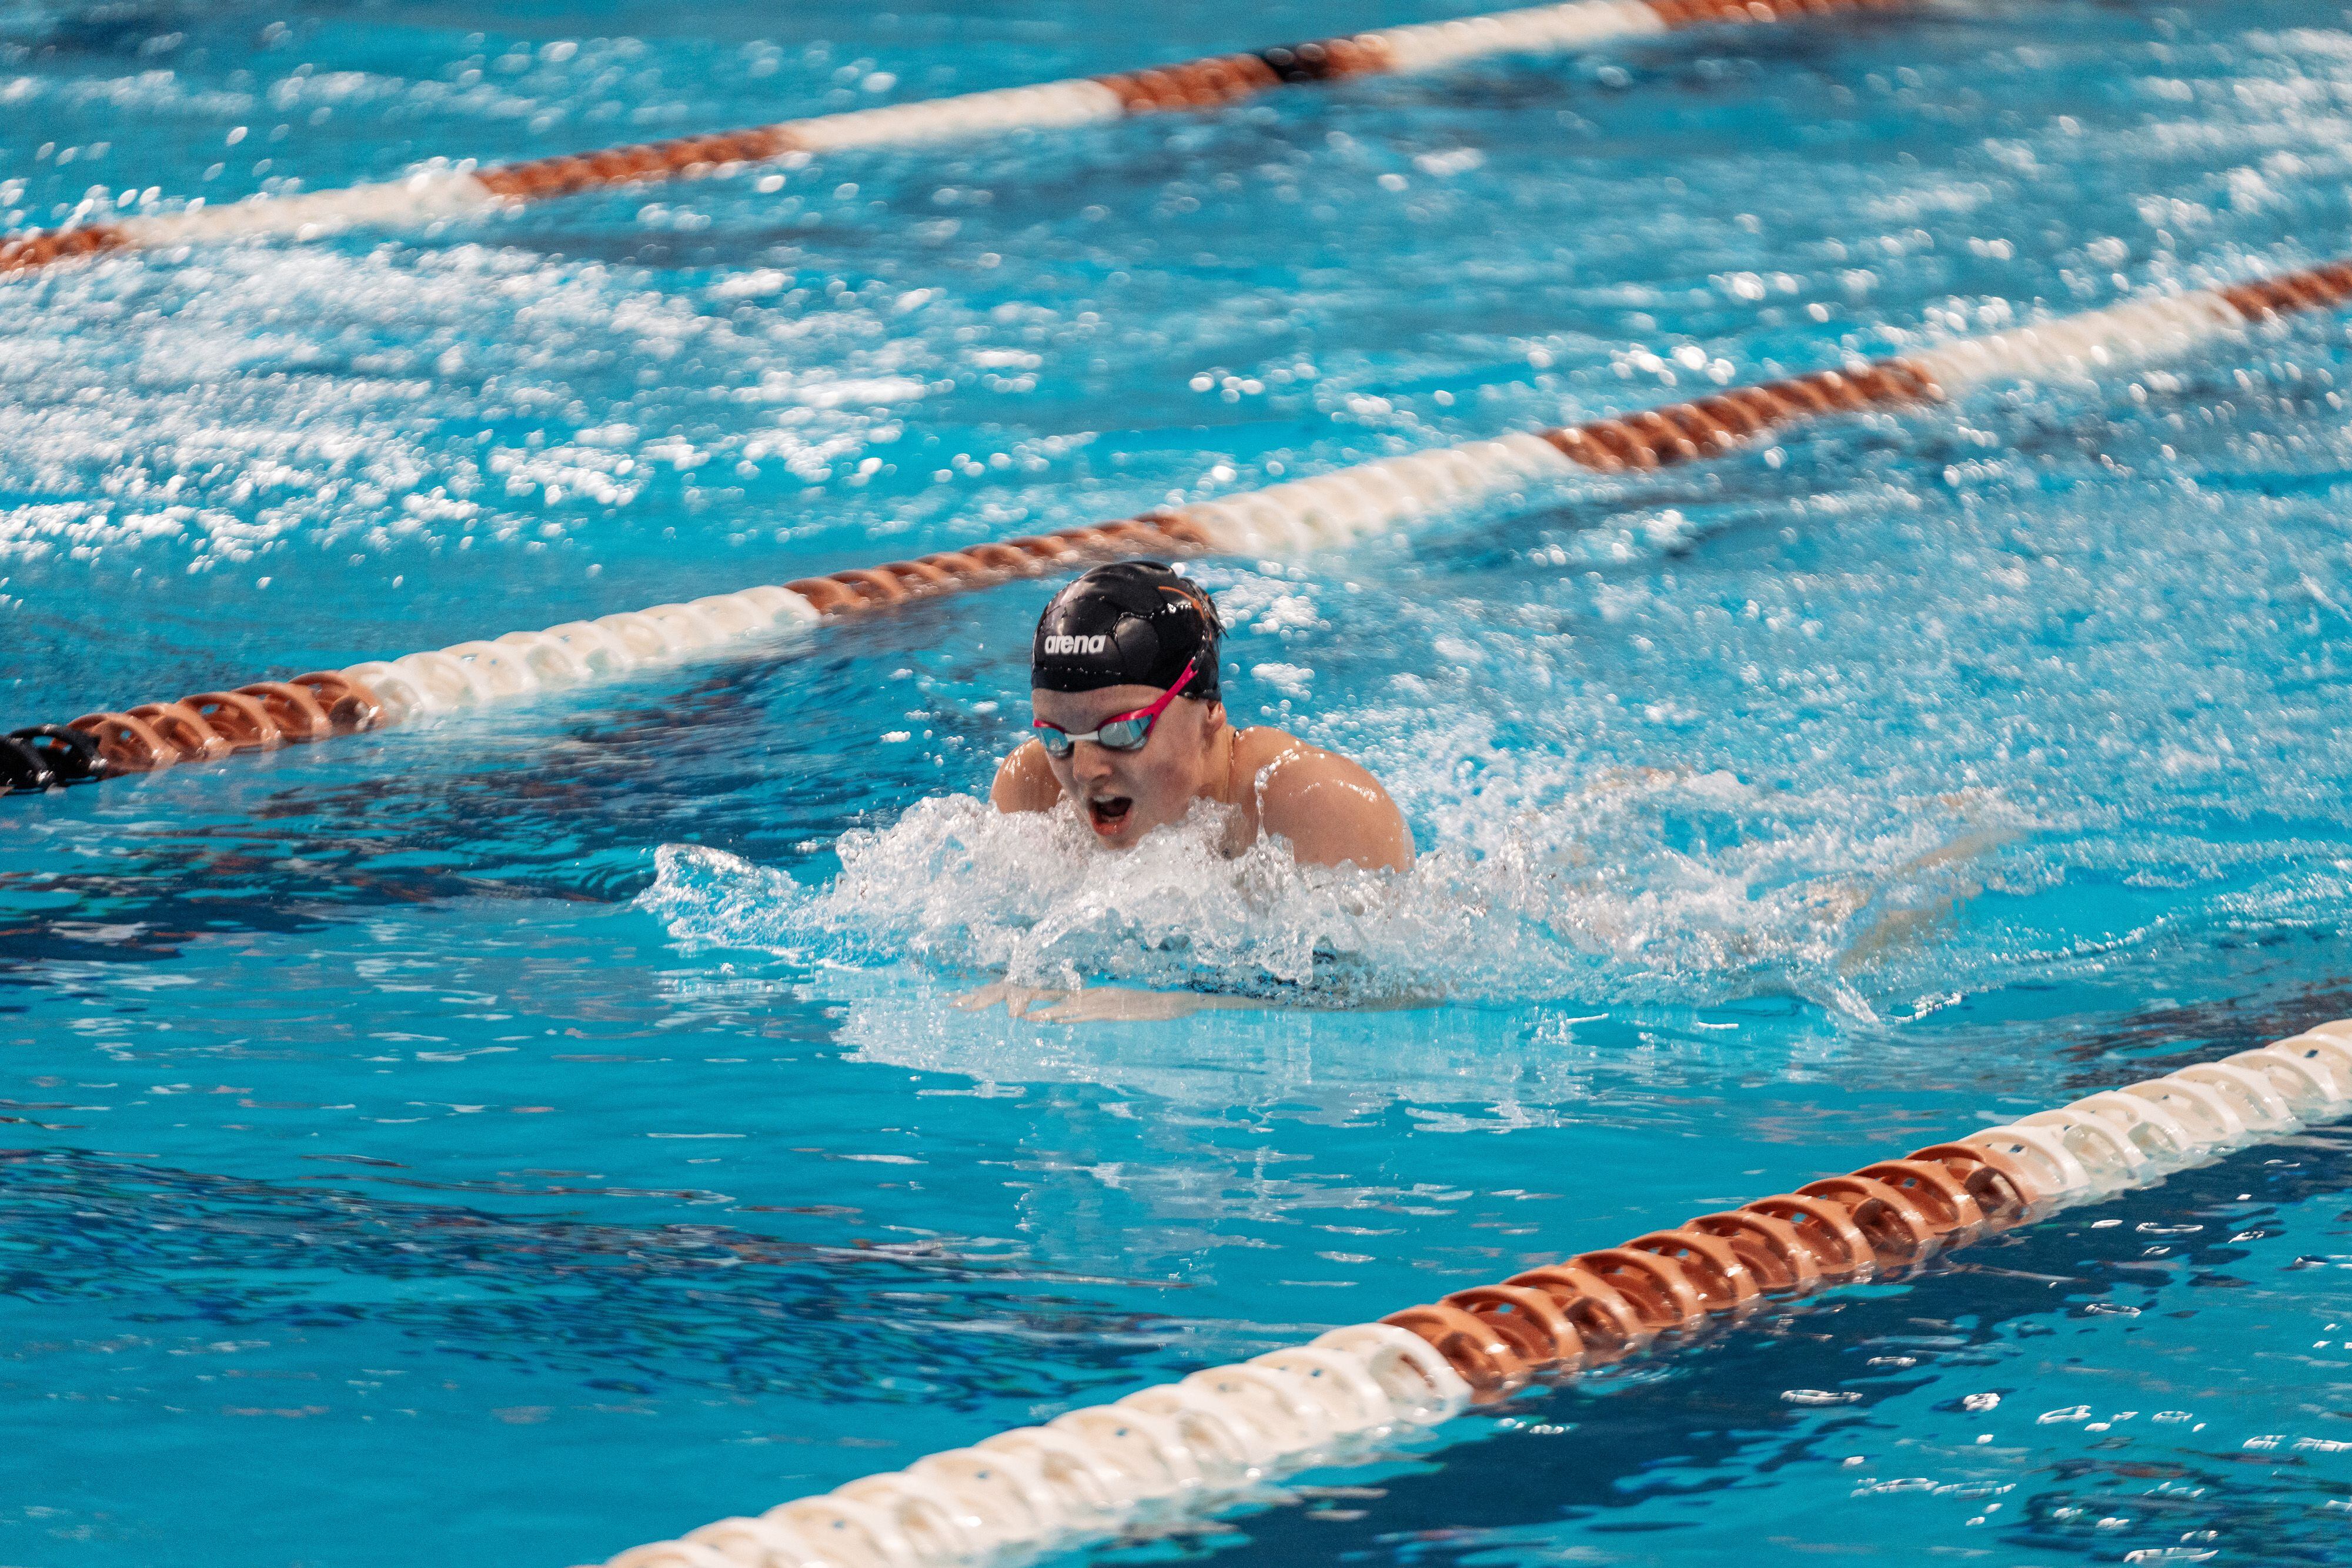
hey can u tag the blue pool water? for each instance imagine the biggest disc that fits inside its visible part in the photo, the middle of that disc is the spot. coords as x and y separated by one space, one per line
517 1138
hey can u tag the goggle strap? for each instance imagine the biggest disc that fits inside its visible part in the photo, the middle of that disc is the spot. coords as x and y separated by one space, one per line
1146 716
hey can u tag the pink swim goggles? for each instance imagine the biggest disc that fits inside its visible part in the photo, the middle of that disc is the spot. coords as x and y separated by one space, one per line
1127 732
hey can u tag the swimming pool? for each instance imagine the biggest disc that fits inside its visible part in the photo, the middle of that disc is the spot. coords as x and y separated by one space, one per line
1778 813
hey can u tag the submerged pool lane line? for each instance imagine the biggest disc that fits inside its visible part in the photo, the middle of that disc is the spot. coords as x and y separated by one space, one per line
447 192
1174 1448
1325 512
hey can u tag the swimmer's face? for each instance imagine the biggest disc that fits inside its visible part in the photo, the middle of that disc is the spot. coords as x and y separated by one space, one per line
1123 794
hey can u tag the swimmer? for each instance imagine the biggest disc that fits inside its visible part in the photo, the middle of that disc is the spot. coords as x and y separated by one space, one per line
1131 734
1130 731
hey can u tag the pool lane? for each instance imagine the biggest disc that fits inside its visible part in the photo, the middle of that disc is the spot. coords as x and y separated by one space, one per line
1783 811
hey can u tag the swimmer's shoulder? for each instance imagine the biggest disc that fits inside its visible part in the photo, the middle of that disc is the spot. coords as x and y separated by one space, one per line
1330 807
1025 782
1263 753
1259 746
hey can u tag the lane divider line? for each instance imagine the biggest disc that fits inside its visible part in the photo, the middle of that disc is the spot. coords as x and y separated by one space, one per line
1201 1441
1328 511
450 190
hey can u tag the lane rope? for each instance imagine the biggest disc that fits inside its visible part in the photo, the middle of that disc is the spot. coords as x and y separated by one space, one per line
1328 511
1180 1447
450 190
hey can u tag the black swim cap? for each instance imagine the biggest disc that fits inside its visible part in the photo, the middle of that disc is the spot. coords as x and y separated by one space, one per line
1132 623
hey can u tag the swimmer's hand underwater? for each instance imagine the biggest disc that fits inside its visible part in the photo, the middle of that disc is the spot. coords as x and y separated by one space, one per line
1097 1004
1131 730
1128 1004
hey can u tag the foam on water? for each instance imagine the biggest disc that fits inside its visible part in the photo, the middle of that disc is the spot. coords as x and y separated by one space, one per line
1640 885
1777 812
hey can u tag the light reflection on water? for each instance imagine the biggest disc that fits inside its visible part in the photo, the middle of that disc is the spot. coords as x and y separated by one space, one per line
387 1158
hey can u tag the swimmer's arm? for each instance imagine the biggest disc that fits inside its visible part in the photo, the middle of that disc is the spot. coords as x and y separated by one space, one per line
1024 781
1102 1004
1128 1004
1331 810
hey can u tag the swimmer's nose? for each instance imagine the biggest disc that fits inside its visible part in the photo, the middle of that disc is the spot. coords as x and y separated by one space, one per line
1090 761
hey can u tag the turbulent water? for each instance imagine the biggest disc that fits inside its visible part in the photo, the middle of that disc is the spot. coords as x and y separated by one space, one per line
555 1127
1648 888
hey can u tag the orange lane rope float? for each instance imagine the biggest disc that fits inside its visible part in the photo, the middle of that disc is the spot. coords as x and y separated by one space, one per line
446 190
1172 1449
1325 512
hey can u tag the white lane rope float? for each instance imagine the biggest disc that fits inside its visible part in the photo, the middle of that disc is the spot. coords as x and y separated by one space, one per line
450 190
1328 511
1174 1450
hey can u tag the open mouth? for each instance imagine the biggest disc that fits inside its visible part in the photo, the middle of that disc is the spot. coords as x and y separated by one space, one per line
1110 814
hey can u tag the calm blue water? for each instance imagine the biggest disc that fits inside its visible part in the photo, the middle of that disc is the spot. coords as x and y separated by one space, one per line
515 1139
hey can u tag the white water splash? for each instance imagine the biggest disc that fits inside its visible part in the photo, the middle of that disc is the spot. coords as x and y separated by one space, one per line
1649 886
